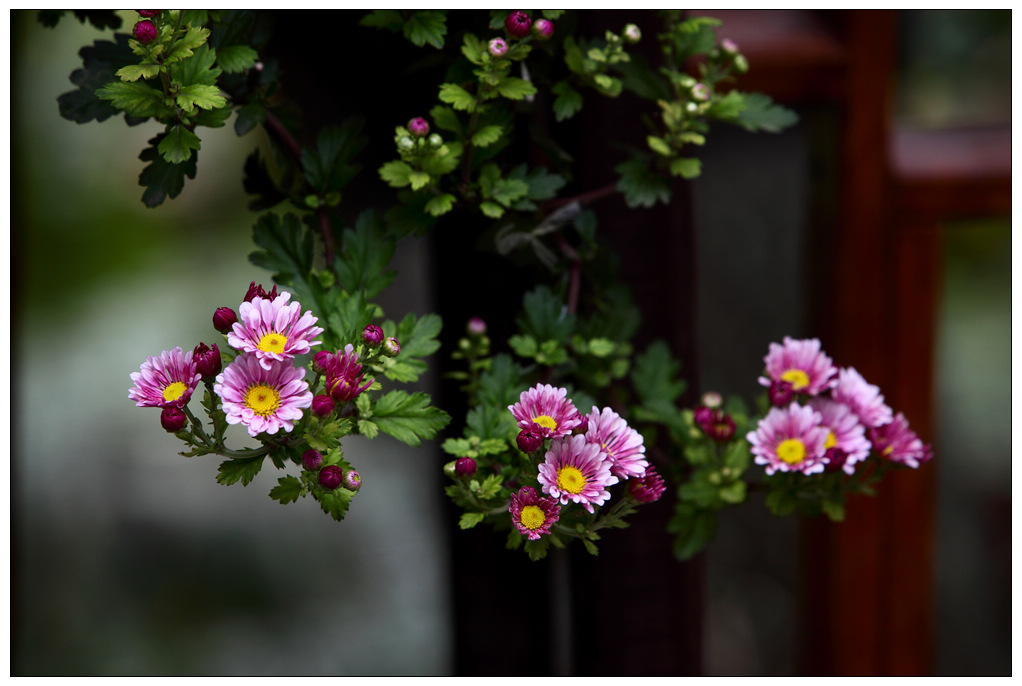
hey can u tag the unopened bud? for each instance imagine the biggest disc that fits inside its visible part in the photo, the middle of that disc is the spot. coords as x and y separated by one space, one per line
331 476
223 319
391 347
465 466
144 32
312 459
173 419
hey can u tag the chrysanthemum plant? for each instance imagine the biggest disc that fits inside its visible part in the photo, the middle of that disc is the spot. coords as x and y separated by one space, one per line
557 441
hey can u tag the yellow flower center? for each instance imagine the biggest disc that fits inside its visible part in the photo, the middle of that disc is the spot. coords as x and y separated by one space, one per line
791 451
533 517
831 441
174 391
272 342
262 399
570 479
797 378
546 420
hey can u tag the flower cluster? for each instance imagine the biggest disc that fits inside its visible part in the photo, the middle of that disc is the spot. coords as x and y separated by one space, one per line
586 454
825 418
262 383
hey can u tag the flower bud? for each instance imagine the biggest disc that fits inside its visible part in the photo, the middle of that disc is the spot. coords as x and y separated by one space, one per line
144 32
632 34
322 405
405 143
173 418
465 466
518 24
207 360
497 47
254 290
322 361
223 319
729 46
712 399
391 347
148 14
372 336
543 29
330 477
648 488
419 127
312 459
476 327
781 393
352 480
700 92
741 64
435 140
529 442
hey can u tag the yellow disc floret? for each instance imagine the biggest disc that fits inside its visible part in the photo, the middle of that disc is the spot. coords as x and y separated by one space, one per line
791 451
797 378
831 441
174 391
272 342
547 421
262 399
570 479
533 517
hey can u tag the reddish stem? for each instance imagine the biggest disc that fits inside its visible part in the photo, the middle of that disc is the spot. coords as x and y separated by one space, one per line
585 198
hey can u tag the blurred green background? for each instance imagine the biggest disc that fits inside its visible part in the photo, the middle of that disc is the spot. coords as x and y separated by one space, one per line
128 559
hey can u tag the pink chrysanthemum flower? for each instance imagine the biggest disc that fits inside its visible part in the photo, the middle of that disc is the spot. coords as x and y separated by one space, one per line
863 398
532 515
545 410
845 433
649 488
800 363
622 443
264 400
344 375
896 442
274 330
790 440
576 471
165 381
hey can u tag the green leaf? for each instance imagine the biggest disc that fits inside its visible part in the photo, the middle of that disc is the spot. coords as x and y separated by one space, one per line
780 502
184 46
733 493
693 529
440 204
234 59
654 375
470 519
457 97
135 99
761 113
199 95
418 179
163 179
248 117
491 209
335 503
659 146
514 88
361 263
835 511
446 119
418 335
397 173
473 49
487 135
686 167
545 316
244 470
538 548
199 69
134 72
383 19
641 185
429 26
591 547
501 385
330 166
99 62
409 417
177 144
288 490
727 108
